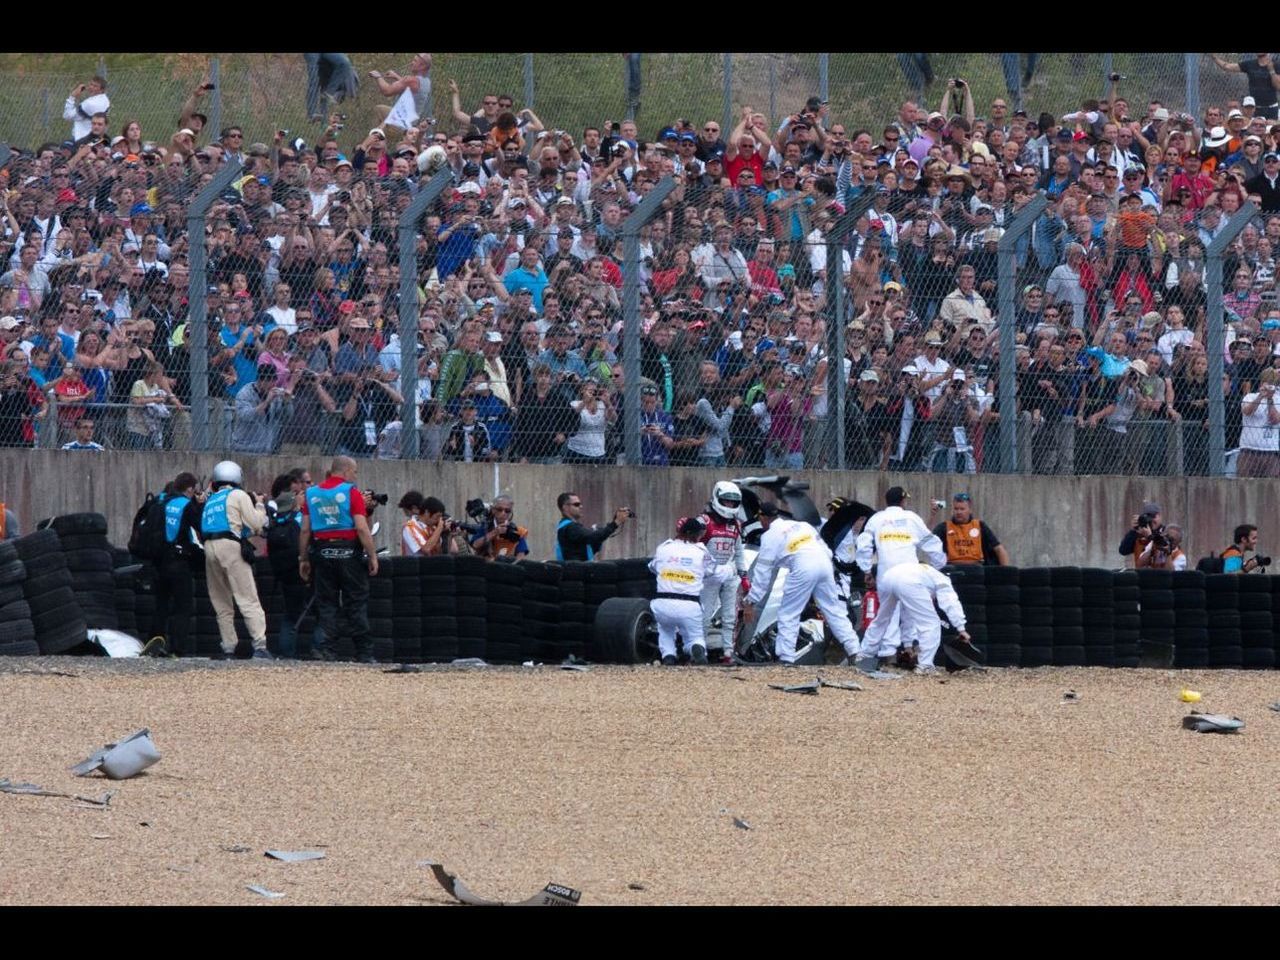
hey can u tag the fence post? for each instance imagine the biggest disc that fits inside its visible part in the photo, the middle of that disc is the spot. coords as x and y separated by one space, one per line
1107 70
215 104
1007 267
197 325
102 67
44 99
649 208
408 243
1191 65
837 382
528 81
726 121
773 89
1213 336
824 70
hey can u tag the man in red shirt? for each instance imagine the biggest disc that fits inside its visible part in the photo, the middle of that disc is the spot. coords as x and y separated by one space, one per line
1198 184
334 515
70 391
742 154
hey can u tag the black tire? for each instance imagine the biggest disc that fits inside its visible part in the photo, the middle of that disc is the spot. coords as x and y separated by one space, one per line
598 593
439 627
1159 618
1192 618
508 573
1189 598
1096 578
1067 617
1258 658
505 613
468 586
1066 577
95 541
472 647
541 592
45 563
1226 638
52 600
971 593
12 571
96 583
1249 620
1003 593
471 629
1068 636
1190 637
1255 584
1004 633
1004 613
1036 657
1100 656
1155 579
1226 656
1190 658
1126 594
535 572
1222 619
1097 598
1255 602
1257 639
47 583
406 627
1002 654
1098 636
1035 577
625 631
470 565
443 566
17 631
89 561
574 590
541 612
11 593
1068 597
1097 617
1222 583
601 572
1037 616
23 648
1036 596
76 524
382 609
974 613
1070 656
63 638
18 610
1126 578
437 606
502 651
1188 580
1215 602
1001 576
8 552
1037 636
1157 600
381 627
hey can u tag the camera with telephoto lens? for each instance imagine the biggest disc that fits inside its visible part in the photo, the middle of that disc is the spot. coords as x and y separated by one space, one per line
373 500
1262 562
1157 533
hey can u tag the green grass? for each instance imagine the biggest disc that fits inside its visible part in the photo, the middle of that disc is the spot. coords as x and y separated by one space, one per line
264 91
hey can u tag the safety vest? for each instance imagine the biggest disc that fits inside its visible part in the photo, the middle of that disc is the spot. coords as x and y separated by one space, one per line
330 508
964 542
214 518
1232 560
173 517
564 522
2 519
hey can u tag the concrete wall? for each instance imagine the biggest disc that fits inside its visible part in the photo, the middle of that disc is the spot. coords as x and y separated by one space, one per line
1042 520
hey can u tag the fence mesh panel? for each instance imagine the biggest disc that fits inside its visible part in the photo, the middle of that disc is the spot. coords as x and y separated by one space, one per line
519 264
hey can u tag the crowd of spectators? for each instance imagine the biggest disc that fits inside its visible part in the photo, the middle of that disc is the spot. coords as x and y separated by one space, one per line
519 280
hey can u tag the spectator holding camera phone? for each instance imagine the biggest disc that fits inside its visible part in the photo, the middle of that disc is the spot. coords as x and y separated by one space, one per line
1260 433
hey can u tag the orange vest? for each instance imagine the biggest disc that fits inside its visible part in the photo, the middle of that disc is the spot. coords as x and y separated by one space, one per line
2 518
964 542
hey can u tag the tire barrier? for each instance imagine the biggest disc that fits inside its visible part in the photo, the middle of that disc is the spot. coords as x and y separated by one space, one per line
63 579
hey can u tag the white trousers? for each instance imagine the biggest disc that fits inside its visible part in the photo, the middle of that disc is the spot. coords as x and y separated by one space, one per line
720 592
801 584
677 616
902 594
892 633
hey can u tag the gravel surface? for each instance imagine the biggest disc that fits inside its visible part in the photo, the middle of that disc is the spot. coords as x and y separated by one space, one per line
973 788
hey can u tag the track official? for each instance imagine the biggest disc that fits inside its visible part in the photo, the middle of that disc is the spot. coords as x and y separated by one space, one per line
171 622
682 565
335 541
893 535
229 518
967 540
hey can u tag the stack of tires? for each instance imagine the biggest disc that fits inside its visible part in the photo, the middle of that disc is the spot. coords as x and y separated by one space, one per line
601 584
1275 613
472 605
55 614
395 622
1097 616
969 582
1190 617
438 606
1159 620
1126 617
504 617
127 588
83 538
1257 641
382 587
17 632
1035 597
546 585
1007 621
635 579
1223 640
1068 631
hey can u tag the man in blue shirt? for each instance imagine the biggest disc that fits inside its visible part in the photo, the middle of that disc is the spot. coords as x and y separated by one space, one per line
529 275
657 430
458 238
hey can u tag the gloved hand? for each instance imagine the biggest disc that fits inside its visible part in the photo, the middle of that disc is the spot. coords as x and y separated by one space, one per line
746 584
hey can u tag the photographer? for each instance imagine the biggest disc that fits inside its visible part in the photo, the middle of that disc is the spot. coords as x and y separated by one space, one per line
1245 540
1138 538
577 542
428 531
501 537
1164 552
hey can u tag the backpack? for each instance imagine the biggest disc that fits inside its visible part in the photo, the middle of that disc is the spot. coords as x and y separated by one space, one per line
282 544
147 539
1210 564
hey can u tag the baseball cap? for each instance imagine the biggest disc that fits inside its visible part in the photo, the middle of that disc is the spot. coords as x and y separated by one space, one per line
140 209
1271 324
1254 137
933 340
1161 114
471 169
958 375
1139 367
910 370
1151 507
869 376
1248 102
565 202
359 323
67 196
935 116
9 323
788 170
893 285
1064 135
689 137
1271 155
1235 113
1079 135
469 187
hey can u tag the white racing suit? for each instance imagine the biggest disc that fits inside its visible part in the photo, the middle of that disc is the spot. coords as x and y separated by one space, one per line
911 588
890 630
795 546
893 536
681 569
723 540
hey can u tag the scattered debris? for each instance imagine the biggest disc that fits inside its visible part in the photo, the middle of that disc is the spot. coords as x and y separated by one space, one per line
810 688
880 675
404 668
180 869
963 653
1071 697
1155 655
573 658
840 684
122 760
552 895
45 673
528 663
34 790
235 849
468 662
635 886
1211 723
1189 696
263 891
1275 707
144 823
908 699
101 836
294 856
575 667
741 824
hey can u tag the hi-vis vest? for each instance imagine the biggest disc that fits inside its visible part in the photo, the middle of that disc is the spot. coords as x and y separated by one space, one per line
564 522
964 542
330 508
173 508
2 518
214 519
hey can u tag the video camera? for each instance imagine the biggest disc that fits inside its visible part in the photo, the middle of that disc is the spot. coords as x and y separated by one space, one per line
482 513
373 500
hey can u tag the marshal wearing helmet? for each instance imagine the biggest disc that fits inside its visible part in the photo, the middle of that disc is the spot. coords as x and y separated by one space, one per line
723 540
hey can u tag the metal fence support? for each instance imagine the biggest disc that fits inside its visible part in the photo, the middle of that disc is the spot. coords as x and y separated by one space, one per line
102 66
824 70
649 208
197 287
1107 70
1007 274
215 102
408 243
1191 65
528 81
726 121
773 88
1213 338
837 382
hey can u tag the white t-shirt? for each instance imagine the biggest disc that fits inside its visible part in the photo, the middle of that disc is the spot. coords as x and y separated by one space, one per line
1173 338
589 440
285 318
1258 433
930 370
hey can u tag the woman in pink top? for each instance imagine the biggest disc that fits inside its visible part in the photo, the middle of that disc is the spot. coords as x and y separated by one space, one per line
788 407
275 352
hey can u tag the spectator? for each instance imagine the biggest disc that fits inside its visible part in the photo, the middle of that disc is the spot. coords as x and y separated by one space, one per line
151 404
469 438
261 409
84 437
1259 447
586 444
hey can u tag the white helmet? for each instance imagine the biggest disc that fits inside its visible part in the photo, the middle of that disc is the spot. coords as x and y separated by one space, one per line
228 471
726 500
